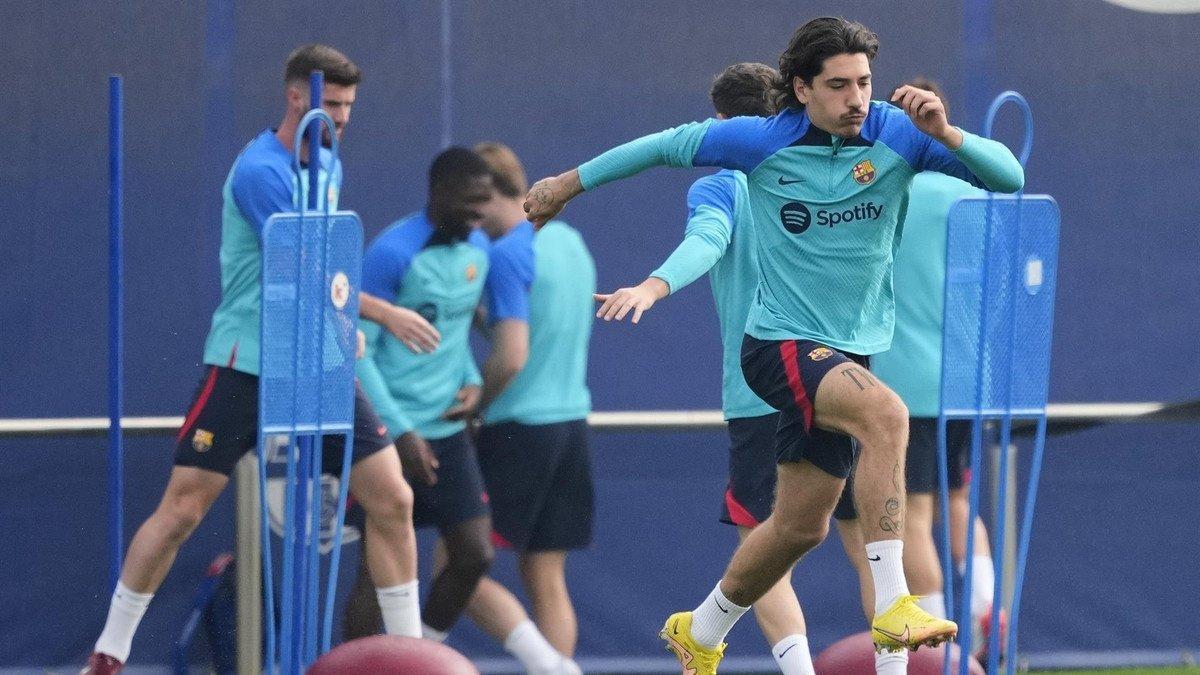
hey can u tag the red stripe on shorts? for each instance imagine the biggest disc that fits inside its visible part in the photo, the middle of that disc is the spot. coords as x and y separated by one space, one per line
202 399
791 363
738 513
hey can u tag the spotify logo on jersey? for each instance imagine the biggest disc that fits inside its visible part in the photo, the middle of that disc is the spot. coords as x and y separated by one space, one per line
795 217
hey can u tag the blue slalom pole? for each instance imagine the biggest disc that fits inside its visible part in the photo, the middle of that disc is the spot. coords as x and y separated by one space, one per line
116 338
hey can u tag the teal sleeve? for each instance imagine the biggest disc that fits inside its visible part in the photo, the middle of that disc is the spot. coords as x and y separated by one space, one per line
375 386
992 162
673 147
708 234
471 373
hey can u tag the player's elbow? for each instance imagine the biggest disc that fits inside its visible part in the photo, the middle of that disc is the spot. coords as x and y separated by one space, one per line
1009 181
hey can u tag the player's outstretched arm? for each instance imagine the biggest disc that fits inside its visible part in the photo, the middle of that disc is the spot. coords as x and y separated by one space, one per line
636 299
728 148
989 163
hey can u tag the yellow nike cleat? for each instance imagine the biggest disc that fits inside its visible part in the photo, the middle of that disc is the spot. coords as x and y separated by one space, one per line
695 658
906 626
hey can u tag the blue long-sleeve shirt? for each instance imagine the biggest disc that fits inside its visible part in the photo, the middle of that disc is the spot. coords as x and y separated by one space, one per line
827 210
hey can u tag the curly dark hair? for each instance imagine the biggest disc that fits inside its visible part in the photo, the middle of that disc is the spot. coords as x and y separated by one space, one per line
816 41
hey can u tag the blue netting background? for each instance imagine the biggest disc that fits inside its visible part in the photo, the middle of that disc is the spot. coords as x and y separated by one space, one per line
309 312
1001 269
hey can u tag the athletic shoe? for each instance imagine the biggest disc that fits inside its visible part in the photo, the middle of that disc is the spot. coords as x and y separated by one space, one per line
101 664
981 635
695 658
906 626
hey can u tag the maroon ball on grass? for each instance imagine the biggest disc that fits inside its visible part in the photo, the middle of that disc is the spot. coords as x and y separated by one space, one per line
855 655
392 654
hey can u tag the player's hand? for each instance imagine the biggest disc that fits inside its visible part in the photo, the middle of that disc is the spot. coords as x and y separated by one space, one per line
360 344
412 329
417 457
638 299
548 196
468 403
928 113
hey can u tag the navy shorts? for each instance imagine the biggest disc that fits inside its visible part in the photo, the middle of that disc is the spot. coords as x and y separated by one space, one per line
458 494
750 495
786 374
921 473
539 482
222 425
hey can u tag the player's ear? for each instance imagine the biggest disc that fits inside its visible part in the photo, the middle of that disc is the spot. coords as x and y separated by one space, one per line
800 89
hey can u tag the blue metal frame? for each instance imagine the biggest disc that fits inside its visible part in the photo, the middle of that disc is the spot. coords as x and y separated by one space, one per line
116 337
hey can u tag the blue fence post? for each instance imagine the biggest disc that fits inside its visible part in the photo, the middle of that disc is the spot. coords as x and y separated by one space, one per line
116 337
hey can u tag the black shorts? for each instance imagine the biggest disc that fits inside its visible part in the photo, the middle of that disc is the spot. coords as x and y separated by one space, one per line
458 495
750 495
539 482
921 473
786 374
222 425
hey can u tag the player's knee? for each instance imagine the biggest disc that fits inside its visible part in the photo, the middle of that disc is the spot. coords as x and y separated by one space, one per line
472 560
802 534
179 516
886 421
394 510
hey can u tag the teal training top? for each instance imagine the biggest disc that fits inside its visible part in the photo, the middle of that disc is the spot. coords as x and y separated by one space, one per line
719 239
547 280
260 184
412 265
913 366
826 210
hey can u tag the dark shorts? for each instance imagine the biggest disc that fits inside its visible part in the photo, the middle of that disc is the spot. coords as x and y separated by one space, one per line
539 482
921 472
458 495
786 374
750 495
222 425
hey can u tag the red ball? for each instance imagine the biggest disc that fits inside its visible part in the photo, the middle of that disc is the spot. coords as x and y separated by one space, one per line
393 654
855 655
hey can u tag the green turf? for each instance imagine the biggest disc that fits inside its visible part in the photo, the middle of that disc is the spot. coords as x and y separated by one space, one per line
1180 670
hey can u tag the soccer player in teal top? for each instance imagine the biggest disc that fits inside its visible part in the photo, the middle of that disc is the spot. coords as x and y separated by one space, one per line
827 179
912 368
719 240
222 423
434 262
533 445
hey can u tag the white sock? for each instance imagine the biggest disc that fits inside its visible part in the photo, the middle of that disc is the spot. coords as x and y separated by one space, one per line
401 609
528 644
886 559
934 603
713 619
792 655
983 584
892 663
124 613
434 634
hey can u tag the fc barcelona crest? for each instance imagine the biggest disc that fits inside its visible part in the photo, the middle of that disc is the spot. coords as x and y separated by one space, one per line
202 440
863 172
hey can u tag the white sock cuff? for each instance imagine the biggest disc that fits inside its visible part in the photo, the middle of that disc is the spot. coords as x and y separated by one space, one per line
517 634
124 594
886 547
720 595
397 592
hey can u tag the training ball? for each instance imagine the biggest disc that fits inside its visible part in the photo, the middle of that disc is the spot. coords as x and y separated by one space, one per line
393 654
855 655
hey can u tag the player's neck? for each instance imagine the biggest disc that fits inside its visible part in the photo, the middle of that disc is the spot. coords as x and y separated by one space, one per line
286 134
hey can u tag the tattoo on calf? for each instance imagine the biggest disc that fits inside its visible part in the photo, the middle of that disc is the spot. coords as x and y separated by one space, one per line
861 378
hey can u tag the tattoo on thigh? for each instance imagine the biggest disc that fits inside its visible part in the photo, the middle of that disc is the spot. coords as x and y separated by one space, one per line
861 378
